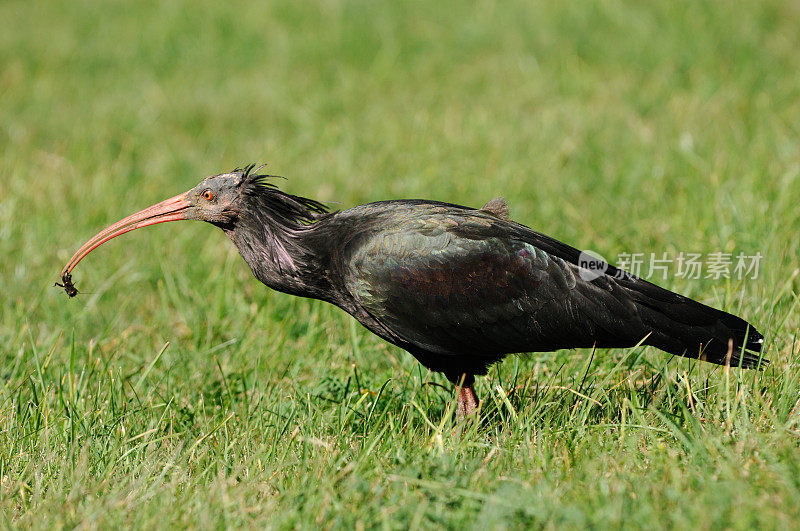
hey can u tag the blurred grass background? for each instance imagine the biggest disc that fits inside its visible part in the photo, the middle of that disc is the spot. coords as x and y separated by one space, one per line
616 126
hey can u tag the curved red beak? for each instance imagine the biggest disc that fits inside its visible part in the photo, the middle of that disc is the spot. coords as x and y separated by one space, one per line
172 209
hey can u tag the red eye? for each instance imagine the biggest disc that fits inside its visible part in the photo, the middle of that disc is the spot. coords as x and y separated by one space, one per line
208 195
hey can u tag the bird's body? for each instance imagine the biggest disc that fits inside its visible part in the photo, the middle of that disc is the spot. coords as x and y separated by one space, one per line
459 287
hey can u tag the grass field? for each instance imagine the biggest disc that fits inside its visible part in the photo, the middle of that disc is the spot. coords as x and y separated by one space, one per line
177 390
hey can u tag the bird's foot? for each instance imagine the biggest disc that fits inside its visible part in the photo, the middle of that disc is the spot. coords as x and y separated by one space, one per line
467 402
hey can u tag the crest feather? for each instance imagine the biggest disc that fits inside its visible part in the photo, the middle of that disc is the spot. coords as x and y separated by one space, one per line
274 206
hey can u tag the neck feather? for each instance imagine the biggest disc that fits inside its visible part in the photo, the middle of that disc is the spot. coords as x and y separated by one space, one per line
272 235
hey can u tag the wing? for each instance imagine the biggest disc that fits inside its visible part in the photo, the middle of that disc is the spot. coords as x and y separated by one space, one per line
464 282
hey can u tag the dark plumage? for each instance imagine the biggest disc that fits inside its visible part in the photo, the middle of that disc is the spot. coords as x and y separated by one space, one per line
457 287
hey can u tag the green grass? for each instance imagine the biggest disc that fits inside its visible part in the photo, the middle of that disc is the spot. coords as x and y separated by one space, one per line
620 127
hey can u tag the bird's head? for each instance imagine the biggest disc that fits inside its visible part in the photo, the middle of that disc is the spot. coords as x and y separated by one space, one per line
220 200
217 200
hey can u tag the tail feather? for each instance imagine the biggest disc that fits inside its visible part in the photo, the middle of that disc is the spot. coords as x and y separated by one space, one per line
685 327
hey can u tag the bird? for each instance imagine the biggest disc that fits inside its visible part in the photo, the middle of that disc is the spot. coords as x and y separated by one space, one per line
457 287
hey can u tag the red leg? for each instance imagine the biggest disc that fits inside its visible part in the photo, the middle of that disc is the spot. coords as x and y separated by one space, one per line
467 402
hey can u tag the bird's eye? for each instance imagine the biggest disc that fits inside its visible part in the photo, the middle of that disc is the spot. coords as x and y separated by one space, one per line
208 195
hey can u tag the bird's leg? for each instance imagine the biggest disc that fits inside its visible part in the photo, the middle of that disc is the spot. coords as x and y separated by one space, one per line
467 399
467 402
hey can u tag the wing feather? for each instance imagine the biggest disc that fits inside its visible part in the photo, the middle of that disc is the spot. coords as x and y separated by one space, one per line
464 283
